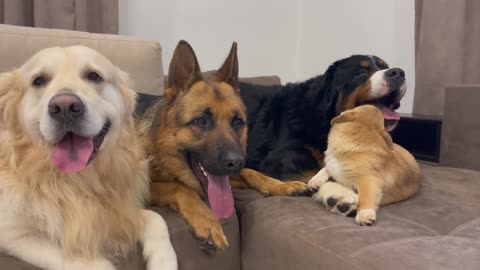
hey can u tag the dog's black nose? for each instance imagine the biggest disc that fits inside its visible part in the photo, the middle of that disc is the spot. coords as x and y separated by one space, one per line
233 162
64 107
395 74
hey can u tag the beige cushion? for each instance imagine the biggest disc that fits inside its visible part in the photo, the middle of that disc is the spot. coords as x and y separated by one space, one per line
142 59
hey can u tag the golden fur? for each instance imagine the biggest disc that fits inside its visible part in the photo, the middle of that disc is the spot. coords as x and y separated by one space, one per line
89 215
362 157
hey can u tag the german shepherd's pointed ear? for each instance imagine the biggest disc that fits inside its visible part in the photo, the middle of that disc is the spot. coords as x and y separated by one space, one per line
229 71
347 116
183 72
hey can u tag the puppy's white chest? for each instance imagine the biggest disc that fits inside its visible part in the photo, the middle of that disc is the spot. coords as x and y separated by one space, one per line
336 169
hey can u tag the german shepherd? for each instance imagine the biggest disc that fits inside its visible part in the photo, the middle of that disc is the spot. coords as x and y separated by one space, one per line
196 136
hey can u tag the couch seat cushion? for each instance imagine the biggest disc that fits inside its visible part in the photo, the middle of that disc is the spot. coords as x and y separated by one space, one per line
439 228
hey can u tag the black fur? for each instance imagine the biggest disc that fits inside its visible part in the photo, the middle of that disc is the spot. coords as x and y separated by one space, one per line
283 121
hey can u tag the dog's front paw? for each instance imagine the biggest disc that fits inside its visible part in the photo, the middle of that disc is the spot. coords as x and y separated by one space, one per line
209 228
337 198
318 180
162 259
366 217
290 188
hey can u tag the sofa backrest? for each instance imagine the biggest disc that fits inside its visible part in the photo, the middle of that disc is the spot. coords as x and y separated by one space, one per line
142 59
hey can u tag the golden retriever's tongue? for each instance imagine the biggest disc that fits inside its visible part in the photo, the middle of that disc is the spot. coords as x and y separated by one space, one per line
72 153
220 195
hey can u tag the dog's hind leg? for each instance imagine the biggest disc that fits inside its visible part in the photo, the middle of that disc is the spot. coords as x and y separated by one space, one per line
271 186
337 198
157 249
188 203
369 198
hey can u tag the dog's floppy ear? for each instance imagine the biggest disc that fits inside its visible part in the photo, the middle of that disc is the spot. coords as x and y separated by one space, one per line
229 71
129 95
10 94
184 70
347 116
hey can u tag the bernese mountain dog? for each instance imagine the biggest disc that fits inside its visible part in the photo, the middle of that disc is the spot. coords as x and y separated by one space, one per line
288 125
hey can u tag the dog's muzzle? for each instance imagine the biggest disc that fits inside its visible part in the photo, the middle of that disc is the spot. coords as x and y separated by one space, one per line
395 78
66 108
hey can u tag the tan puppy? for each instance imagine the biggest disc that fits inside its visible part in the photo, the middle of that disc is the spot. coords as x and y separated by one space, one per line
362 159
73 173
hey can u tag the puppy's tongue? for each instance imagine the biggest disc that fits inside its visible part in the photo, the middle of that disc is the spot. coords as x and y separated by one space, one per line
72 153
220 195
389 114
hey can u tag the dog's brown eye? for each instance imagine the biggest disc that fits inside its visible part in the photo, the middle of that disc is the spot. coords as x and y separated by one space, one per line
94 77
201 121
237 122
39 81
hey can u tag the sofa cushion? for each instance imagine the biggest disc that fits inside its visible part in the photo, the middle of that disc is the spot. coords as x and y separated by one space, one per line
142 59
190 254
259 80
439 228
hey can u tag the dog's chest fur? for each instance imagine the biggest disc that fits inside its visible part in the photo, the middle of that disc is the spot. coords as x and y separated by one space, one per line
89 213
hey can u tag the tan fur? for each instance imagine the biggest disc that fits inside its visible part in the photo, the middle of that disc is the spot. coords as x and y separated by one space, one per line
166 135
90 214
362 156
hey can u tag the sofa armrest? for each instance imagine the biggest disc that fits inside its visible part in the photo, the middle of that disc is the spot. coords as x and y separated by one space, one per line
460 143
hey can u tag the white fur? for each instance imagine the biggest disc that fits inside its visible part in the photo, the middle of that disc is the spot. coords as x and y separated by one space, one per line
318 180
157 248
334 190
340 193
379 84
366 216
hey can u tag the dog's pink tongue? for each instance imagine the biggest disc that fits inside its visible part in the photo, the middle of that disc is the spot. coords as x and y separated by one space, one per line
72 153
389 114
220 195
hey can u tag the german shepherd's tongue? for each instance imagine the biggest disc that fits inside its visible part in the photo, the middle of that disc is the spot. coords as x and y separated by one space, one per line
220 195
72 153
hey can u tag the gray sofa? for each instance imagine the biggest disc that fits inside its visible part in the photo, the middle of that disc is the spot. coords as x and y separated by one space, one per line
439 228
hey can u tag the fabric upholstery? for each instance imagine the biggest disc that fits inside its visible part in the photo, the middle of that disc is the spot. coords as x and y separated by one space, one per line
260 80
447 42
142 59
99 16
460 128
439 228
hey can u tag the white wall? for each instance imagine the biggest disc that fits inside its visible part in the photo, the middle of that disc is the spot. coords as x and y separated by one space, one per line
294 39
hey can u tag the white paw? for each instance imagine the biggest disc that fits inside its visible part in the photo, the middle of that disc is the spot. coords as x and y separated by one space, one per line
337 198
162 260
157 248
318 180
366 217
97 264
159 254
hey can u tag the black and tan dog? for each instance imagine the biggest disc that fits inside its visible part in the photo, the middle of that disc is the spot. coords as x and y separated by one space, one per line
197 138
288 125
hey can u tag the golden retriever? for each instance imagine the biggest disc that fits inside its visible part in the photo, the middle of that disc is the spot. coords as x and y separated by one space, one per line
362 159
73 175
